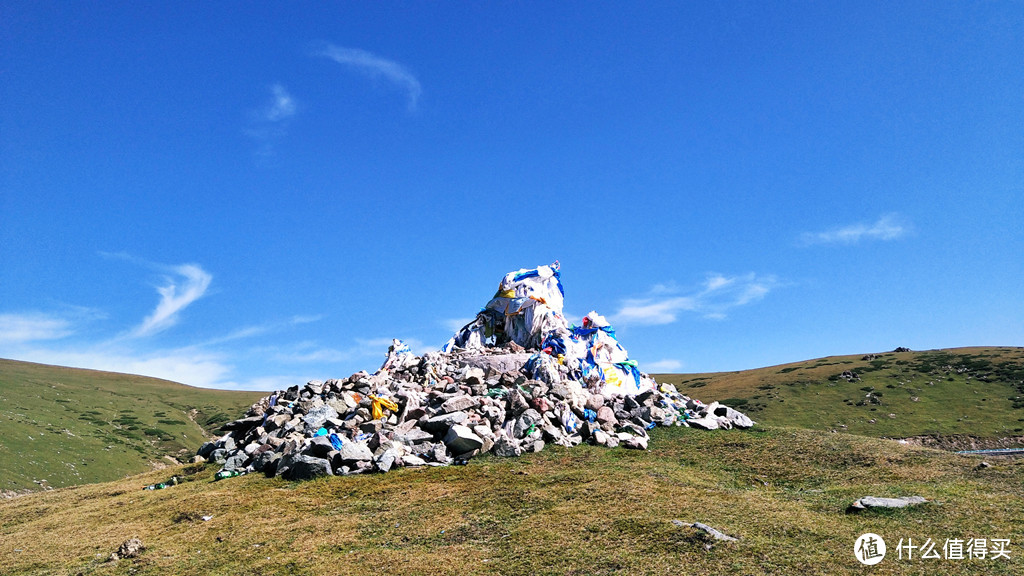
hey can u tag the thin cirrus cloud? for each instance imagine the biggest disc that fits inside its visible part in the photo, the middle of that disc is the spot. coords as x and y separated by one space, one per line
187 284
376 67
713 300
282 105
33 326
887 227
269 123
665 366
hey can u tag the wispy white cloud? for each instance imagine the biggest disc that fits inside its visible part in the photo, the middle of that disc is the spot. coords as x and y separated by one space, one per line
268 123
665 366
309 352
188 284
455 324
187 366
33 326
377 67
260 330
305 319
653 310
717 295
282 105
887 227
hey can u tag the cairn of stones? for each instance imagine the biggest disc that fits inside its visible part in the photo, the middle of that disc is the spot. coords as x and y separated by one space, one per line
484 392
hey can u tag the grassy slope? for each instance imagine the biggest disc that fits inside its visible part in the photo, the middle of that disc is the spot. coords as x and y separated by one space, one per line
973 391
71 426
584 510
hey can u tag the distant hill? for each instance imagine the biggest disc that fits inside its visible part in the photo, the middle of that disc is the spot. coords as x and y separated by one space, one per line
782 490
68 426
65 426
976 392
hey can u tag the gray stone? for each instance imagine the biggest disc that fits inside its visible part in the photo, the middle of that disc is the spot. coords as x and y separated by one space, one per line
460 439
413 460
516 403
635 442
414 436
735 417
243 424
316 417
236 461
459 403
266 462
712 532
705 423
206 449
385 461
506 447
319 447
442 422
352 452
497 363
474 377
527 419
630 403
875 502
560 390
219 456
303 467
439 454
128 549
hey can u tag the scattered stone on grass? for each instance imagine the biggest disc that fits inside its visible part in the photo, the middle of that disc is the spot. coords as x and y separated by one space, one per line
129 549
876 502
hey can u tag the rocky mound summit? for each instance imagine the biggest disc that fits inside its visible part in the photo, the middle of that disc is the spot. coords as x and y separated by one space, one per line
513 380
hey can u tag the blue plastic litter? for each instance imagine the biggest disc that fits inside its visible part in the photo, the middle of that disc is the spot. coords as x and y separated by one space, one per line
335 441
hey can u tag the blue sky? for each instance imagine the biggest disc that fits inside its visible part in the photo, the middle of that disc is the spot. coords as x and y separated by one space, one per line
255 195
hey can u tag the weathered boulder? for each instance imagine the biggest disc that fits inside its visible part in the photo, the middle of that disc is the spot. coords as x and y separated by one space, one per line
497 363
460 440
303 467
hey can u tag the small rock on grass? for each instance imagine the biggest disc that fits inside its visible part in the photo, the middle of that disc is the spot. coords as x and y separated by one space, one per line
129 549
712 532
875 502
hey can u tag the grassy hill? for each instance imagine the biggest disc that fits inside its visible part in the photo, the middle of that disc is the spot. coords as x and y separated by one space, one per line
585 510
977 392
782 488
65 426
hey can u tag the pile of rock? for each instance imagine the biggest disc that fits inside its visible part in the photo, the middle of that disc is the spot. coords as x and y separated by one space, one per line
443 408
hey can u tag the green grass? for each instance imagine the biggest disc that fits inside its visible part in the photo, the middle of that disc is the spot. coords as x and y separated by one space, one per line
967 391
69 426
584 510
782 487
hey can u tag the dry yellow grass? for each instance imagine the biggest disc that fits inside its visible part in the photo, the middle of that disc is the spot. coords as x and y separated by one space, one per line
585 510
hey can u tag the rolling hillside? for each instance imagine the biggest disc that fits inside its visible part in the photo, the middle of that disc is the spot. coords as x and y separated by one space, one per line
585 510
782 488
976 392
66 426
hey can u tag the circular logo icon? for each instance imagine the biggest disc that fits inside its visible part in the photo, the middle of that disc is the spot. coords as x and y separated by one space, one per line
869 549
